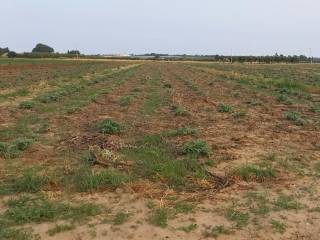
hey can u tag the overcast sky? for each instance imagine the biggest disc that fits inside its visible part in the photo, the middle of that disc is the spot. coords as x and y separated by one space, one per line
245 27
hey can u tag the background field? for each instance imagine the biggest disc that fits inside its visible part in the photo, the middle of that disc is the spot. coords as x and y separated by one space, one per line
161 150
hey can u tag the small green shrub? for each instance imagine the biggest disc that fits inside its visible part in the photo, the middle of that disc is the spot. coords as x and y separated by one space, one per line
239 114
295 118
216 231
184 207
241 219
315 109
317 168
120 218
23 143
87 181
251 172
225 108
196 148
210 162
50 97
156 164
258 203
287 203
151 140
179 111
22 92
88 158
315 209
26 105
189 228
3 148
278 226
29 182
155 159
14 149
15 234
125 101
60 228
27 209
57 95
159 217
284 99
254 102
109 126
184 131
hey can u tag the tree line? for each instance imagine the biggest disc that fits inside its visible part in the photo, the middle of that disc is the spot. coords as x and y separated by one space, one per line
39 51
45 51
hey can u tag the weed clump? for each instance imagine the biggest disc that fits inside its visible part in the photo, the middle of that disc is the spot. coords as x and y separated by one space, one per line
239 114
88 181
241 219
225 108
15 234
29 182
60 228
125 101
216 231
120 218
287 203
160 217
179 111
50 97
189 228
154 159
88 158
184 207
196 148
315 109
258 203
184 131
259 173
109 126
295 118
14 149
57 95
278 226
37 210
284 99
23 143
26 105
3 148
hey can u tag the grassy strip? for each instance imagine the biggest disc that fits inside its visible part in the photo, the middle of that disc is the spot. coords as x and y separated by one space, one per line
156 160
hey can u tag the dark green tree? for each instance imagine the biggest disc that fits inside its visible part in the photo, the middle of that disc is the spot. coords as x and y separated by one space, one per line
42 48
12 54
4 50
75 52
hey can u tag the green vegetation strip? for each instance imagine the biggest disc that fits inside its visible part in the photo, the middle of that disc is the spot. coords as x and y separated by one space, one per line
38 209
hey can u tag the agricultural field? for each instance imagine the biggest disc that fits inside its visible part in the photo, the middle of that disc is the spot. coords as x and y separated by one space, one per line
159 150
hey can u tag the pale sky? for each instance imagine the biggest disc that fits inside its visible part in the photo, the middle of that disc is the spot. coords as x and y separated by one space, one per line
245 27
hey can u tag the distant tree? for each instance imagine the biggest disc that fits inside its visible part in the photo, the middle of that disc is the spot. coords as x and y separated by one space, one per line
42 48
4 50
12 54
75 52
